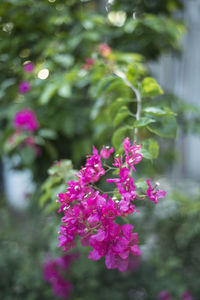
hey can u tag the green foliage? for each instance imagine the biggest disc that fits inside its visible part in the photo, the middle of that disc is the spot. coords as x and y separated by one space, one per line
23 251
76 106
150 87
59 174
62 102
150 149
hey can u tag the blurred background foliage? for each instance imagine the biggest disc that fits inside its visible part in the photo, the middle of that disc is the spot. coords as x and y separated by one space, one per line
78 107
61 42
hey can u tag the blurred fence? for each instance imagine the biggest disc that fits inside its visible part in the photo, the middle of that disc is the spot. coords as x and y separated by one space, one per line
180 74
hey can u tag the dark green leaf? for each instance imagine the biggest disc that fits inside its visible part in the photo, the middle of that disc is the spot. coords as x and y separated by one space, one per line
144 121
119 136
121 115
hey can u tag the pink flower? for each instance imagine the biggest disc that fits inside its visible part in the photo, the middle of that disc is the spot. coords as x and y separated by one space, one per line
104 49
106 152
29 67
53 271
131 152
164 295
89 62
186 295
118 162
92 214
153 194
26 120
24 87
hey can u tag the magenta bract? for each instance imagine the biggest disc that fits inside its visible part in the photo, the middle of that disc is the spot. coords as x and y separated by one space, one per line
92 214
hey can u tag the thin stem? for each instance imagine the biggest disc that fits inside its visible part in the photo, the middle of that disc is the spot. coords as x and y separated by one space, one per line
100 190
109 167
137 94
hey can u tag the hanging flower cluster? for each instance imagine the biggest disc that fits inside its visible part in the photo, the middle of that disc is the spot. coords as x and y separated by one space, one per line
92 214
53 271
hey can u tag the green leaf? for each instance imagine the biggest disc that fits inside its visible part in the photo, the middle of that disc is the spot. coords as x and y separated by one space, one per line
51 181
51 150
106 83
165 126
61 166
155 111
51 207
142 122
119 135
68 126
150 149
150 87
141 184
65 60
65 90
121 115
44 198
47 133
48 92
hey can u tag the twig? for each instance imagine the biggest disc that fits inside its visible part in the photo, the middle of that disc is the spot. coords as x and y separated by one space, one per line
137 94
100 190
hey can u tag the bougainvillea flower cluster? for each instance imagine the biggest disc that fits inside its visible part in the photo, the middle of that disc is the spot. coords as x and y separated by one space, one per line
92 214
54 271
26 120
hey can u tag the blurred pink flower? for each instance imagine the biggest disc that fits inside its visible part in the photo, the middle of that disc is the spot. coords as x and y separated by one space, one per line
53 271
24 87
104 49
29 67
154 194
164 295
186 296
26 120
89 62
